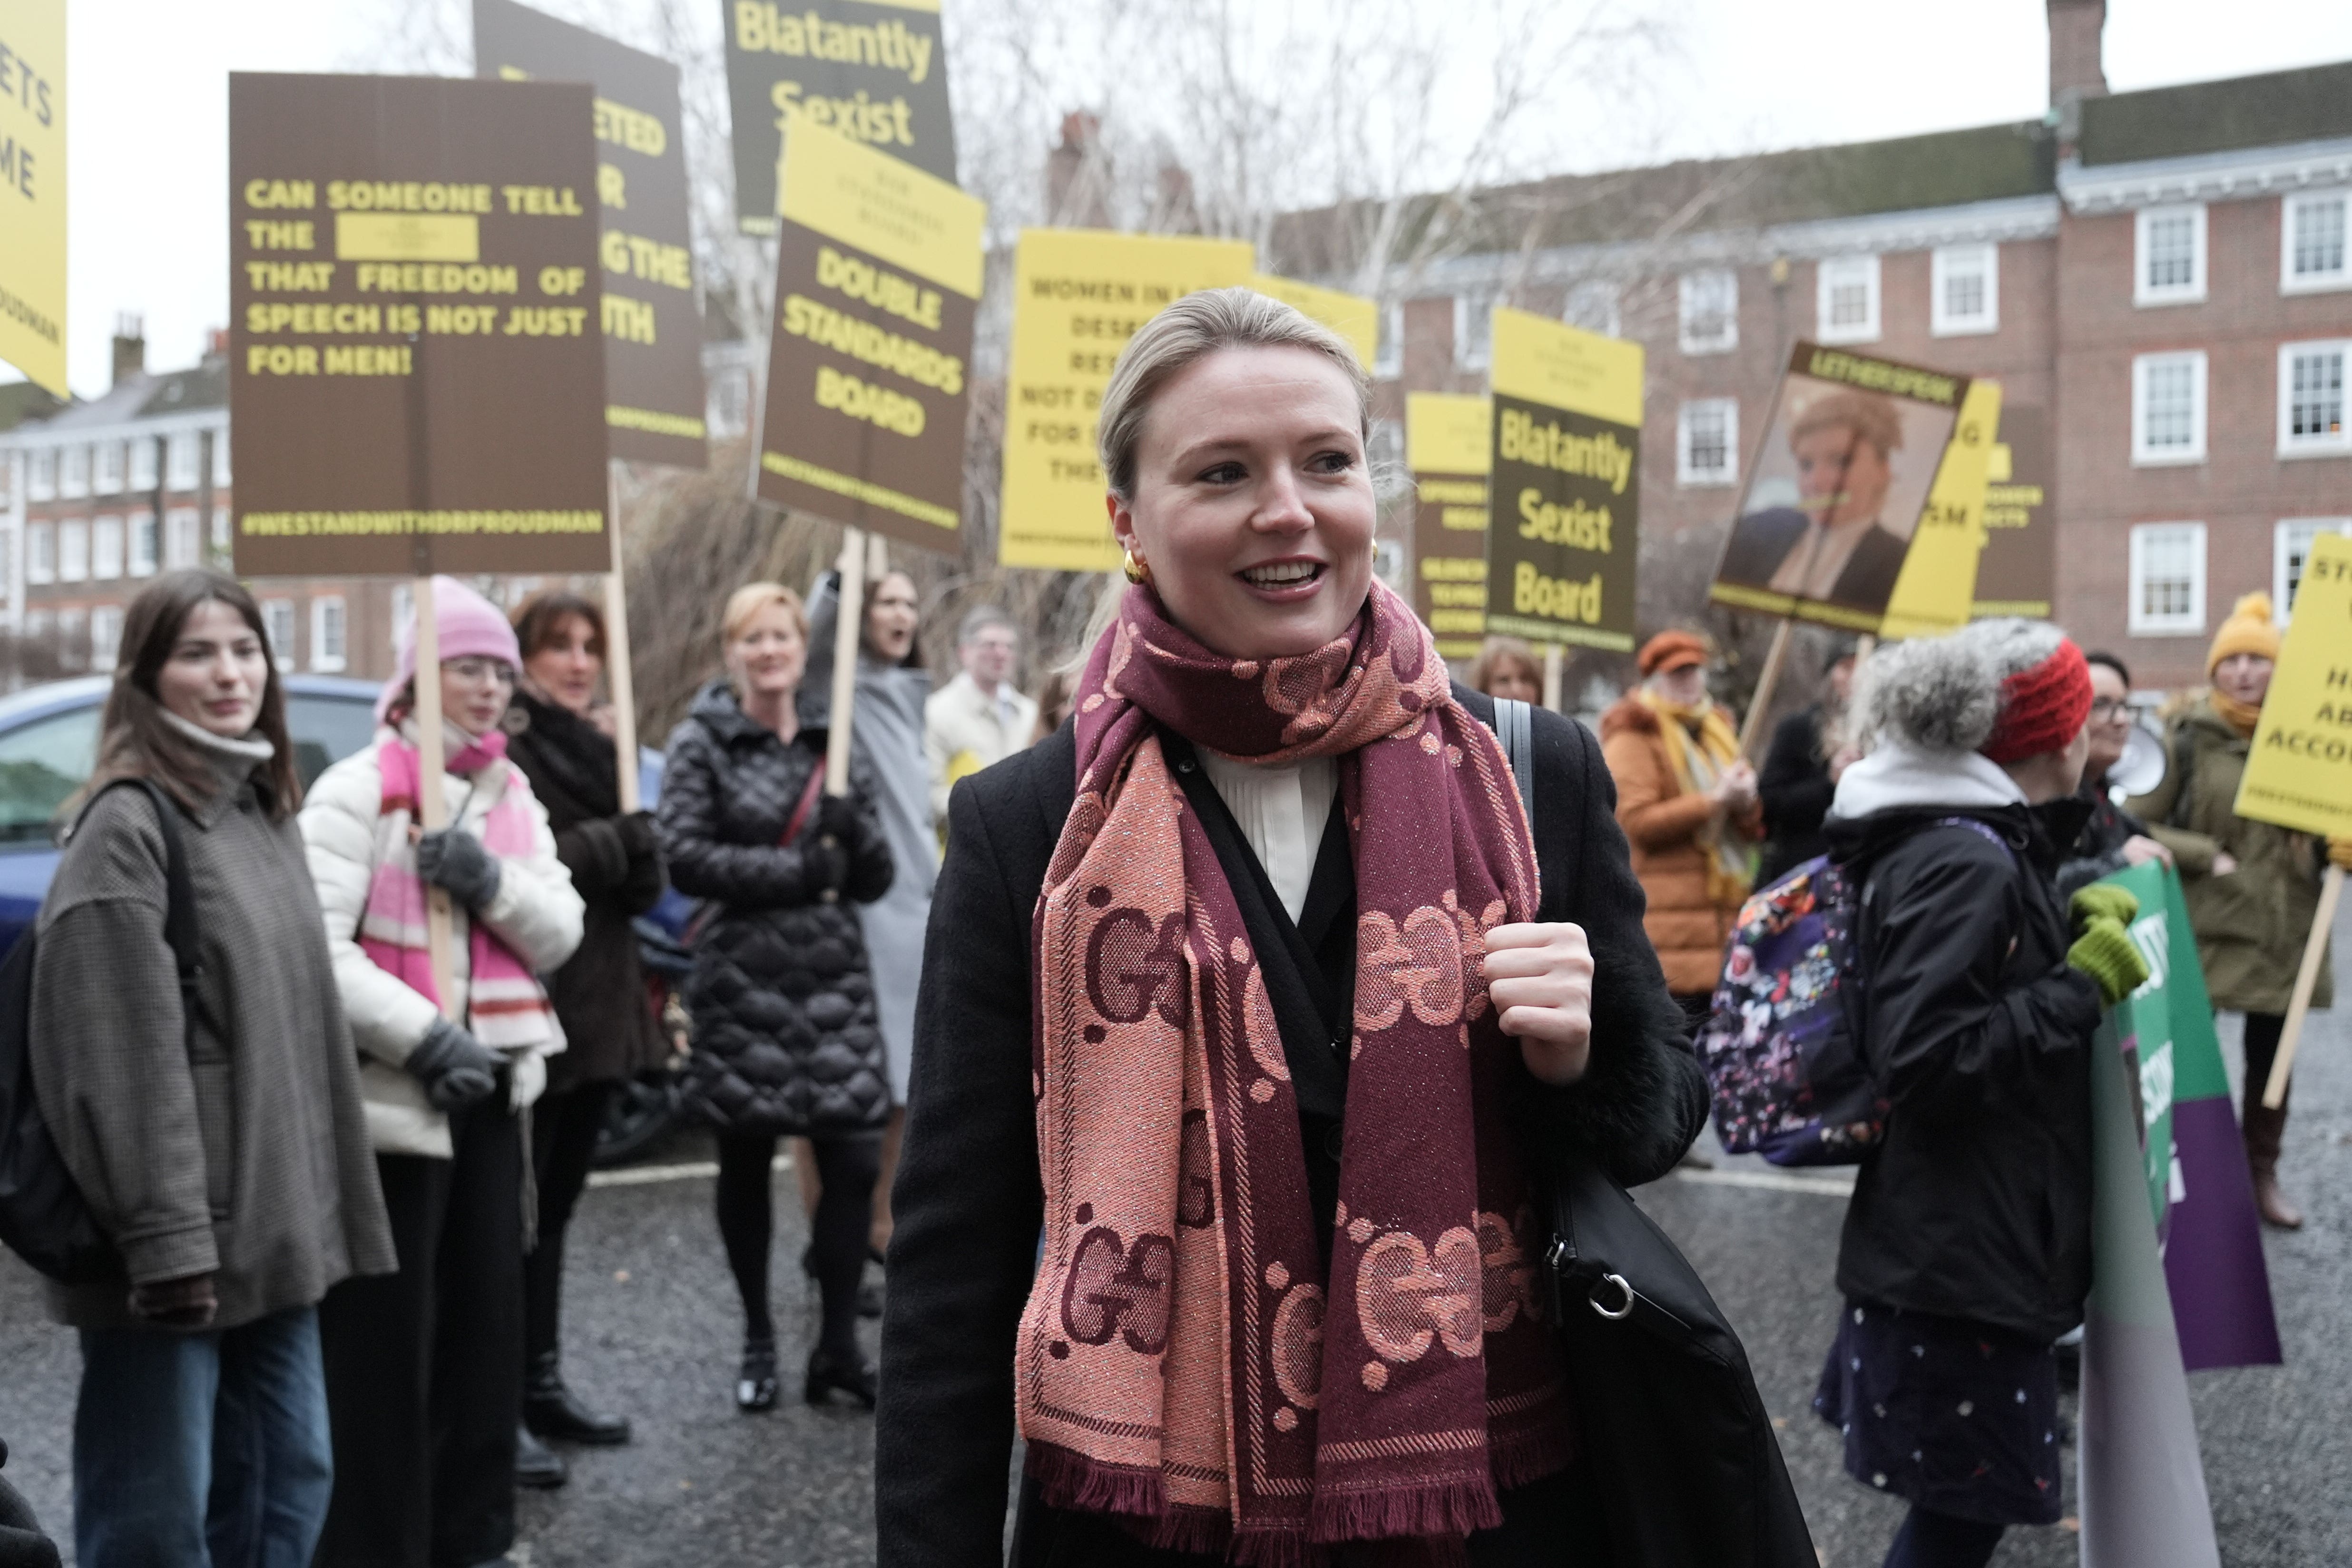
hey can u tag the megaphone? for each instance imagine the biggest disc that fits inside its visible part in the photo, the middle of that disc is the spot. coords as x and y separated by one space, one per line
2141 768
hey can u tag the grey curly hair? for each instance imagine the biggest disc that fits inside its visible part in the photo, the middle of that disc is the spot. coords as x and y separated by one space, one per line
1943 694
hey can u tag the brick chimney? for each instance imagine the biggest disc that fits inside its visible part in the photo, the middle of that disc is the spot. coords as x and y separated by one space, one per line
130 346
2076 73
1077 175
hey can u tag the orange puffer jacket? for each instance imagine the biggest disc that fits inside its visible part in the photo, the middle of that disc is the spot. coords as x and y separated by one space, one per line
1664 824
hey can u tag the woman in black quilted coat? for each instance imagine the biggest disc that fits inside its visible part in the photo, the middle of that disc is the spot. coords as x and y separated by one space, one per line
786 1041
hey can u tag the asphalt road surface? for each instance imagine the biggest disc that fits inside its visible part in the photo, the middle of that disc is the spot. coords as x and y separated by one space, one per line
654 1330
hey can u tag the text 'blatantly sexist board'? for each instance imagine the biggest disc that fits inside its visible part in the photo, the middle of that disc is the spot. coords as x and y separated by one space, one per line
869 357
1563 549
33 190
872 70
416 373
649 316
1448 447
1077 296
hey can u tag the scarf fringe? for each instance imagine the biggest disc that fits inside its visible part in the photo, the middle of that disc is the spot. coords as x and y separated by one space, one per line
1202 1531
1441 1509
1070 1479
1528 1456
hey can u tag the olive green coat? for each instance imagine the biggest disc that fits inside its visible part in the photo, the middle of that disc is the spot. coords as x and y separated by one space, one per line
2250 924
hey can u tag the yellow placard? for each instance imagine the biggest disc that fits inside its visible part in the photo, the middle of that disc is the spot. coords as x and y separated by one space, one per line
33 190
1351 316
1077 296
1561 366
892 210
407 236
1937 590
1448 433
2299 769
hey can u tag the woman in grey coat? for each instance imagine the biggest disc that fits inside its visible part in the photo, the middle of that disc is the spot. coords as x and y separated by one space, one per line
226 1154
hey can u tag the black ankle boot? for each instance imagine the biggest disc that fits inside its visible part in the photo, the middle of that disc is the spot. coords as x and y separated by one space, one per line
551 1410
536 1464
755 1382
853 1376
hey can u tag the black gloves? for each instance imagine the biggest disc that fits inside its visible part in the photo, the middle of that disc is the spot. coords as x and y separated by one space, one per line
186 1303
827 844
640 840
453 859
456 1069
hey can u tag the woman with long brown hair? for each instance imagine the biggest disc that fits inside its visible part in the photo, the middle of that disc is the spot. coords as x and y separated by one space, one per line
213 1124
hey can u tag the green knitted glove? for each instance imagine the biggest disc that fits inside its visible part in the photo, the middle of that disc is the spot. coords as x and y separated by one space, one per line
2107 952
2100 898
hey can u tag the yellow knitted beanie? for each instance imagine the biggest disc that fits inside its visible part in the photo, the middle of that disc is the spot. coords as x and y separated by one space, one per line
2248 630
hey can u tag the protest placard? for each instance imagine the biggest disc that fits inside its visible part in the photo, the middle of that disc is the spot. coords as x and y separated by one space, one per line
2017 574
878 274
872 70
1562 549
1935 592
1836 491
416 380
649 314
1448 447
32 191
1077 296
1353 316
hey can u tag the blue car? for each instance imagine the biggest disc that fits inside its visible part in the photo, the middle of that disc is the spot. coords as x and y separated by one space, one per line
49 744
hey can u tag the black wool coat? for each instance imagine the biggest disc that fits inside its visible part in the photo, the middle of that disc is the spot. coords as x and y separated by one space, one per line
1977 1204
1795 790
785 1035
968 1201
600 997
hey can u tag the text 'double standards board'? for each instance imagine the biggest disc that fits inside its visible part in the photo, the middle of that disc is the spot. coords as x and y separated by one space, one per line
416 377
1448 446
869 359
1563 548
650 317
1077 296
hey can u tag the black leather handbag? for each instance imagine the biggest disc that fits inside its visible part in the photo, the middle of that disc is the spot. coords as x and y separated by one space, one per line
1680 1448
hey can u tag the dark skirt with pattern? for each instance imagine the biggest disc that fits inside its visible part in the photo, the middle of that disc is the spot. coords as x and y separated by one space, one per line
1960 1418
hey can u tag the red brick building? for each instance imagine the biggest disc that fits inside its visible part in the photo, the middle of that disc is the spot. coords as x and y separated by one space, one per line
2159 280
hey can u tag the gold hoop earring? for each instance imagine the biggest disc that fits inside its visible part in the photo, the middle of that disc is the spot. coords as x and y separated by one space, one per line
1137 572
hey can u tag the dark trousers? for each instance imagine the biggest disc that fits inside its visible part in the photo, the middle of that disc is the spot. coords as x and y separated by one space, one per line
421 1387
848 1165
2262 1032
562 1144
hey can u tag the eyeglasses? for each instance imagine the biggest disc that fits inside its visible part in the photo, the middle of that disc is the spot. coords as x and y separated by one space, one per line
495 672
2104 710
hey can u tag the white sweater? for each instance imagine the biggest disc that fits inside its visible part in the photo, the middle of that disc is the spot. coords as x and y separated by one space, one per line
536 912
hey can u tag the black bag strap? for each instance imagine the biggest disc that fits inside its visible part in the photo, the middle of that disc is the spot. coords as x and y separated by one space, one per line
1515 727
179 889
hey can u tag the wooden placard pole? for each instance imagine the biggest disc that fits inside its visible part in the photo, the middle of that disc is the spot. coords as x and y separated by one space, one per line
1765 680
1555 663
851 610
2315 950
616 662
432 805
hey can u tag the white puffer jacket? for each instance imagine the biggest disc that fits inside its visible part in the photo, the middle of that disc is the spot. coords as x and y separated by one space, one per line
536 912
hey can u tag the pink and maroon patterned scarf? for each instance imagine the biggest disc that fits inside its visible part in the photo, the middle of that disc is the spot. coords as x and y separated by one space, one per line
1183 1362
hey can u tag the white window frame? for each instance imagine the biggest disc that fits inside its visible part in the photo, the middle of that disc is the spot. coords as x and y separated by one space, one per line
1596 305
182 460
73 637
2144 293
2290 208
105 635
2145 456
73 473
277 627
2331 445
219 434
143 464
2166 624
41 474
106 549
183 539
40 554
1388 351
73 550
1691 290
142 544
1950 262
1474 330
1837 272
329 634
1690 478
106 469
2292 538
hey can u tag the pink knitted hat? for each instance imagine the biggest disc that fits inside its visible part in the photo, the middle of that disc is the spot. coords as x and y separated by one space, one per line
469 625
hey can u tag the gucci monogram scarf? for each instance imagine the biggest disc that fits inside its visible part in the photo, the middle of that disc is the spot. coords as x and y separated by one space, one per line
1183 1362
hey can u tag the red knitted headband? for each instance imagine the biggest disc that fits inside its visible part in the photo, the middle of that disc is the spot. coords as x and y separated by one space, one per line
2042 709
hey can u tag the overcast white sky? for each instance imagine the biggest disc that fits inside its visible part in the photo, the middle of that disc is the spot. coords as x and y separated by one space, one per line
148 95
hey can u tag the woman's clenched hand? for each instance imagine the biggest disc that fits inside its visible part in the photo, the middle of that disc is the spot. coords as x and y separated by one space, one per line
1540 977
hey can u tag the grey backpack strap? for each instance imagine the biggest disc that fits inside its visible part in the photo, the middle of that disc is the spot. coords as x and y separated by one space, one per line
1515 727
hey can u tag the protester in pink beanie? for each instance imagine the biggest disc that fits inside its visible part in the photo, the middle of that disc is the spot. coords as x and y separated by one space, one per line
469 624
